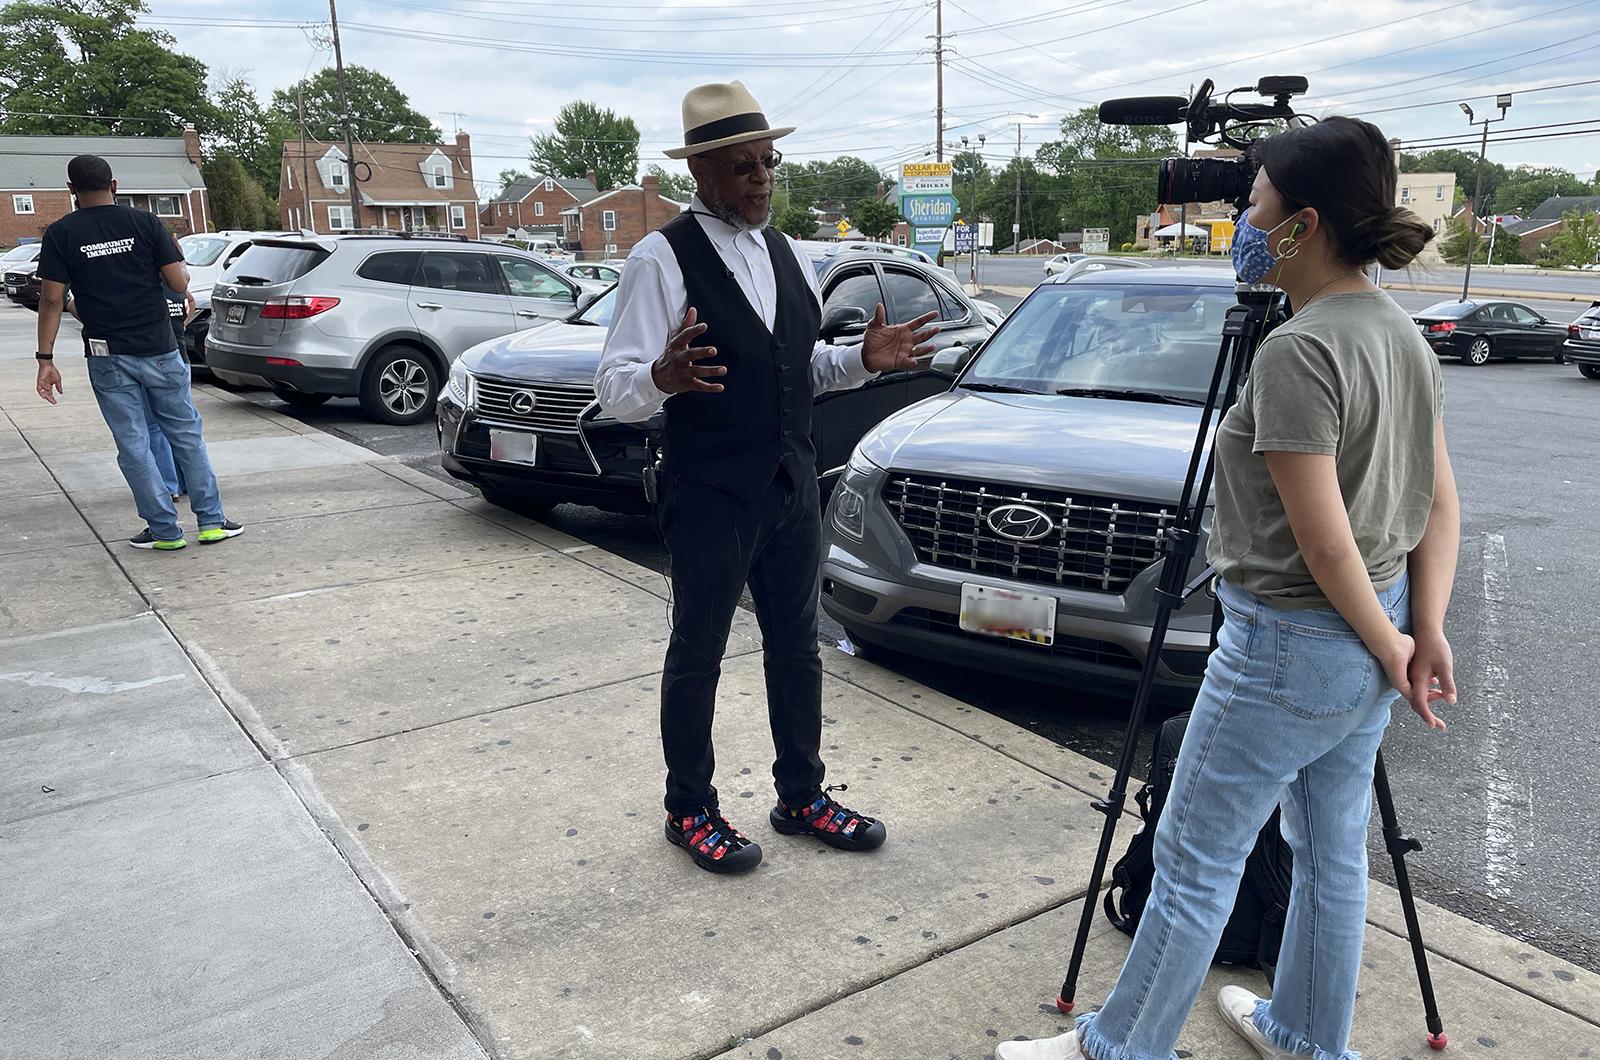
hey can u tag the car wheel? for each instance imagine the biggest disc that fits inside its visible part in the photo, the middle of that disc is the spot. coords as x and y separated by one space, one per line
400 386
300 399
1478 353
1590 371
530 502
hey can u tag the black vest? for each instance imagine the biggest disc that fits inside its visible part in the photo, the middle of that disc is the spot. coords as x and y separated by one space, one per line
737 440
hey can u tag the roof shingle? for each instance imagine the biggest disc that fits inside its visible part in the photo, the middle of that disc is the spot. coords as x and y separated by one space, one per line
141 163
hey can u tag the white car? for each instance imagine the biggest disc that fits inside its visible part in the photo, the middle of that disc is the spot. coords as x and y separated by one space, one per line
819 250
1061 262
1086 265
207 253
590 272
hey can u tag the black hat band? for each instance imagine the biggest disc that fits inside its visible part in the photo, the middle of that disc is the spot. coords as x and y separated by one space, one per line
755 121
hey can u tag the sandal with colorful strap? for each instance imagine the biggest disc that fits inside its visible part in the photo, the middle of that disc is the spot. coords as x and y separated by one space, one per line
713 843
838 826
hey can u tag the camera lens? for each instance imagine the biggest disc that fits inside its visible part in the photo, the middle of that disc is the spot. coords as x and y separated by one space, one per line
1183 180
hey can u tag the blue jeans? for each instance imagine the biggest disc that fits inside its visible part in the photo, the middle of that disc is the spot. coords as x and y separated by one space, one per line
161 449
133 393
1291 714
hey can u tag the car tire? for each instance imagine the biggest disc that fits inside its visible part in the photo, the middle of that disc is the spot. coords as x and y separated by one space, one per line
1590 371
400 386
1478 353
299 398
534 503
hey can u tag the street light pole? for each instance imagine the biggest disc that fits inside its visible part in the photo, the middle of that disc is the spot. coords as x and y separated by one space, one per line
938 77
344 114
1016 217
1503 101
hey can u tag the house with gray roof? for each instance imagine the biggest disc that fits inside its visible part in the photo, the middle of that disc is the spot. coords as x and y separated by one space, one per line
160 174
532 206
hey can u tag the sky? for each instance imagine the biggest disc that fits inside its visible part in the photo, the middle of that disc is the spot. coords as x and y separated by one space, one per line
858 76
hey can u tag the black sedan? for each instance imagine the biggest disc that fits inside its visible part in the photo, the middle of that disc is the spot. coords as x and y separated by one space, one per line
1479 331
1583 342
22 283
519 419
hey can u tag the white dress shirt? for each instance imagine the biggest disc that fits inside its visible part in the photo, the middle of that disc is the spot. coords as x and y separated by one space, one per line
652 301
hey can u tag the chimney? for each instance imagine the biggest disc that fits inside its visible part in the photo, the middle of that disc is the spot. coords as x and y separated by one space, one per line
589 175
464 152
191 143
651 184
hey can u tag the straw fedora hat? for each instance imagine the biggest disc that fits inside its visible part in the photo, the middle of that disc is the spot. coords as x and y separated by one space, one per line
722 115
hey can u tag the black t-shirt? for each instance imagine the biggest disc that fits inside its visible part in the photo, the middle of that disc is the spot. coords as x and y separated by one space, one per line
111 257
177 309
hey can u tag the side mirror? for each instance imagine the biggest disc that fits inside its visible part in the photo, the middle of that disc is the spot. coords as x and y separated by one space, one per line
842 318
951 360
584 299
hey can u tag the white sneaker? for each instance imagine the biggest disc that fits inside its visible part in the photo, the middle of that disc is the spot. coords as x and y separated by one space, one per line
1062 1047
1238 1007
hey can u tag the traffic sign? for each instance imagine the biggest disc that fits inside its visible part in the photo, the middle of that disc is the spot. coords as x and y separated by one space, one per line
842 227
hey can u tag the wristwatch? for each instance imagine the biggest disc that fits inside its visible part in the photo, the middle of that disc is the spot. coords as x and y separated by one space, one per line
44 356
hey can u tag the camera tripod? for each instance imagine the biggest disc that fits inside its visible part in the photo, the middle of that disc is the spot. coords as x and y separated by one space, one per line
1247 324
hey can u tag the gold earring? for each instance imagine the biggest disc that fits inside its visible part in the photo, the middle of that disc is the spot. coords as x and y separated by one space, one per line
1287 248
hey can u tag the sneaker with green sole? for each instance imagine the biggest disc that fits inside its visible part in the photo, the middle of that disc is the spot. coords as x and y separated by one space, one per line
212 534
146 539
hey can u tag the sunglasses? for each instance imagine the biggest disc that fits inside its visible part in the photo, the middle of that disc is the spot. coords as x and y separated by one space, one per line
746 166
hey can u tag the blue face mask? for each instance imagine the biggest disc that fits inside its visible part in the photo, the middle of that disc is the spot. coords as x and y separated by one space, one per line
1252 250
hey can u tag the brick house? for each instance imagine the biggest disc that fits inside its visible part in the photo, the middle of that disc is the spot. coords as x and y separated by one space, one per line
533 205
609 224
1541 224
401 187
160 174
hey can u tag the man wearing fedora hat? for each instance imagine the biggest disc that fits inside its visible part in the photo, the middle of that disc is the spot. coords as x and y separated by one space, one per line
716 322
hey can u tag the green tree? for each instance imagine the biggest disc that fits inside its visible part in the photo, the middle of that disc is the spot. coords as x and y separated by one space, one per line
843 179
1104 176
236 198
1463 164
1453 247
678 186
248 131
380 112
1578 242
1528 186
588 137
61 59
873 217
969 176
509 176
797 222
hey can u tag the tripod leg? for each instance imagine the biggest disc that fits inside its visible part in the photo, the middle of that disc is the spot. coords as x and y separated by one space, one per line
1399 845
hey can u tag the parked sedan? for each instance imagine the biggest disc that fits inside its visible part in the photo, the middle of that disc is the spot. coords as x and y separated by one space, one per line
1582 347
1480 331
1014 524
519 417
1060 263
22 282
591 272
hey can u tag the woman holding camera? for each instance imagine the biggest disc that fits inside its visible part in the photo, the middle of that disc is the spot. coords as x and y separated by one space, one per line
1336 531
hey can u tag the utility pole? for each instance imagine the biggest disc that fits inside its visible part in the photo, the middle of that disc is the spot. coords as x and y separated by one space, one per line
1016 217
344 115
1503 101
1183 208
308 216
938 78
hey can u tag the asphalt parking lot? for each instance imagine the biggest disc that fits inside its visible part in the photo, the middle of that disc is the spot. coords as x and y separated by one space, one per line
1504 799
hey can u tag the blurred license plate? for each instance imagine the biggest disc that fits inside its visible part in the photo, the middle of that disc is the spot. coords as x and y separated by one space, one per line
1006 613
513 447
235 314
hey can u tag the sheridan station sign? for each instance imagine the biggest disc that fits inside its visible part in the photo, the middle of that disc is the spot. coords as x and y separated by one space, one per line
926 202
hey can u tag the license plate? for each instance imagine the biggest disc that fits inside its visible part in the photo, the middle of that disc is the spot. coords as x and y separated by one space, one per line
235 314
12 288
513 447
1008 614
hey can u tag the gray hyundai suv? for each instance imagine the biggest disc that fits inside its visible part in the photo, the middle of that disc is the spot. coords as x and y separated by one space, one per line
378 318
1015 523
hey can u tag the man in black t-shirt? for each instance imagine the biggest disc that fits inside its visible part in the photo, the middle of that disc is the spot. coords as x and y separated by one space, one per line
116 260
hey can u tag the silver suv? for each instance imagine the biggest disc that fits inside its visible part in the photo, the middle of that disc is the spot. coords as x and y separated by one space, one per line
378 318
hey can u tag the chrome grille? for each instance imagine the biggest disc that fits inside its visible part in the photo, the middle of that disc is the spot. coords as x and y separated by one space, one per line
1096 543
557 407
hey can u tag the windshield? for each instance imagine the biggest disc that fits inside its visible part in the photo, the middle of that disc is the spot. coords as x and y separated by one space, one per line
598 312
26 252
201 250
1451 309
1144 338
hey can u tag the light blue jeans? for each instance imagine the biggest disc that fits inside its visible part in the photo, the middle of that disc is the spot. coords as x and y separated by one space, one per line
1291 714
133 392
161 449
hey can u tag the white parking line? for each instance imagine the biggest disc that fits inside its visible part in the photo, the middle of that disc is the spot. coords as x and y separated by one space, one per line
1504 810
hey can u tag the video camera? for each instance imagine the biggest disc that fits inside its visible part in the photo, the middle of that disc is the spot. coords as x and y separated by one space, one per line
1182 180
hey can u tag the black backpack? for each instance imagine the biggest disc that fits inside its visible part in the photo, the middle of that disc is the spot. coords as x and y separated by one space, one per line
1255 930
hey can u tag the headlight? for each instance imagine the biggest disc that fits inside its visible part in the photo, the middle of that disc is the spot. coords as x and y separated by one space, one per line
849 511
462 385
859 466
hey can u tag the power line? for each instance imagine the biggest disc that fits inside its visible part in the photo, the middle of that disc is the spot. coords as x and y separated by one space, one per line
1358 100
586 23
1487 95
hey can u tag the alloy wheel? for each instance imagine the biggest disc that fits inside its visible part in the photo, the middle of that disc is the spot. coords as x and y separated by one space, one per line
1479 353
403 387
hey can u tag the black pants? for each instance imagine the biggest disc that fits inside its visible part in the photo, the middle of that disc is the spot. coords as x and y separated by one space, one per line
717 543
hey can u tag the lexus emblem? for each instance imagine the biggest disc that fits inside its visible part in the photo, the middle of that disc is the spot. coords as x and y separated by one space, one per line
1020 522
523 402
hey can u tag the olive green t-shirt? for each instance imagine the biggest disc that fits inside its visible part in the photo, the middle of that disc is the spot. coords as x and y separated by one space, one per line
1349 376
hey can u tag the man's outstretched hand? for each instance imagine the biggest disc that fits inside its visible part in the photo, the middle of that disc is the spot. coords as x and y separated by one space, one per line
675 371
891 347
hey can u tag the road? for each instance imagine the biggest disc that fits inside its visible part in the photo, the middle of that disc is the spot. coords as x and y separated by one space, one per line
1504 800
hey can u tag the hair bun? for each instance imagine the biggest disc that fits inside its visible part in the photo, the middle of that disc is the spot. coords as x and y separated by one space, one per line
1392 238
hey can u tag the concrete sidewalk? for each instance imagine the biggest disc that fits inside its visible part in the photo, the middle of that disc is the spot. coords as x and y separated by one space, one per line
380 778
